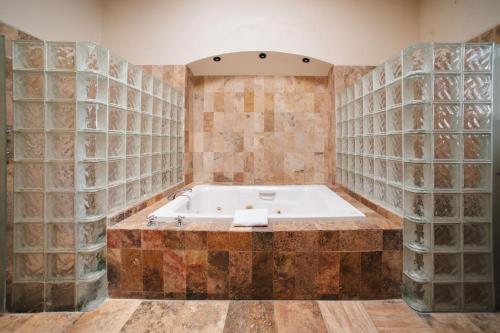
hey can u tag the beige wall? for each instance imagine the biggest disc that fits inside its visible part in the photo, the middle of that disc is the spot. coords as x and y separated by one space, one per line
55 19
456 20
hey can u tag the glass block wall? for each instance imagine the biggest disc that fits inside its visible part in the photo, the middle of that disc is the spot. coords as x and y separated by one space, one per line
93 135
414 136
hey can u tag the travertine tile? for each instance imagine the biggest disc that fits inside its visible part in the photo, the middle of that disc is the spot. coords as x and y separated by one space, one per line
346 316
300 317
56 322
250 317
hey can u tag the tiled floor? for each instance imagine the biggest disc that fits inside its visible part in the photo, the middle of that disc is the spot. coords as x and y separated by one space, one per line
127 315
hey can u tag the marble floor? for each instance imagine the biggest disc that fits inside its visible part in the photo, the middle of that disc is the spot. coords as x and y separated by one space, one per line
128 315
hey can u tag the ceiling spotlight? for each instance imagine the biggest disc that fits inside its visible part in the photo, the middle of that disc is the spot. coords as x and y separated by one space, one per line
305 60
216 59
262 55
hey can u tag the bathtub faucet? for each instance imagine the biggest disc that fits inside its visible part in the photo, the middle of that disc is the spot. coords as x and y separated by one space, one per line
179 220
152 220
181 191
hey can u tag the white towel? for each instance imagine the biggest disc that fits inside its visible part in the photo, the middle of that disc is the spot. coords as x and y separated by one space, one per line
250 218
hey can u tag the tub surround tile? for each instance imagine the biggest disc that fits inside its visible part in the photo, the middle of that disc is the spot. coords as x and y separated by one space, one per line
262 241
284 275
371 270
392 273
393 239
350 275
250 317
174 239
328 275
114 263
240 275
218 271
131 239
131 270
196 240
361 240
262 274
196 274
152 271
152 240
174 273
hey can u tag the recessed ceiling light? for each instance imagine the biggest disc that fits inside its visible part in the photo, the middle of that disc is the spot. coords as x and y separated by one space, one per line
262 55
216 59
305 60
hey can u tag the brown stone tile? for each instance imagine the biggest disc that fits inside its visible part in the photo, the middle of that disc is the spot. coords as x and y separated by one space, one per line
249 101
131 270
152 271
208 121
240 241
306 275
114 238
262 241
250 317
262 274
393 239
174 239
196 240
328 275
196 274
360 240
218 269
350 275
174 272
371 275
240 275
218 241
296 241
298 317
392 272
328 240
131 239
284 275
114 269
153 239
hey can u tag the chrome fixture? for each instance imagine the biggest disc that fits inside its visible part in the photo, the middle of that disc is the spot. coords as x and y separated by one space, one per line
179 220
182 191
152 219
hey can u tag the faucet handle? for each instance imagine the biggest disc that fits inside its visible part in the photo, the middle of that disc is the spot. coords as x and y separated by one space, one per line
179 219
152 220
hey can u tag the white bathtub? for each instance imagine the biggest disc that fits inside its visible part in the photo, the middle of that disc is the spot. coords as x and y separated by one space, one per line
281 202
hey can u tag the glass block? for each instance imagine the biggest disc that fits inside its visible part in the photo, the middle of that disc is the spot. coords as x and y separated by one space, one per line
92 87
117 68
477 206
379 122
156 183
418 295
145 187
368 187
477 236
91 234
380 168
28 267
358 164
477 266
394 120
166 181
60 206
367 81
117 119
28 236
91 293
145 165
133 99
349 108
60 116
157 88
446 147
446 237
28 54
418 176
146 124
91 146
393 93
133 122
29 115
477 176
395 145
28 207
146 103
477 117
417 265
477 87
349 89
147 83
417 88
60 146
157 126
350 129
417 58
478 296
117 93
29 85
91 204
417 147
157 144
358 145
146 144
395 198
378 77
368 104
358 108
116 145
350 179
60 266
133 191
379 100
91 57
116 198
116 171
134 76
446 87
368 145
368 166
28 176
447 57
61 56
477 57
60 236
91 116
60 296
61 85
379 190
447 266
358 180
91 175
417 235
91 263
393 68
379 143
417 117
447 296
395 172
446 117
60 176
477 147
133 168
446 176
418 206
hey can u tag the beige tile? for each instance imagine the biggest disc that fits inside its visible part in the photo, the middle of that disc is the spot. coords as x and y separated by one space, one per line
346 316
394 316
53 322
298 316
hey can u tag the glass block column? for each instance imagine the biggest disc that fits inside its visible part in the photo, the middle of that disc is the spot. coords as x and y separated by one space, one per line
91 138
423 148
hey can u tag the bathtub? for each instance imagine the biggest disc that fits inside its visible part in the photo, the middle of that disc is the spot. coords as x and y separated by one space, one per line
281 202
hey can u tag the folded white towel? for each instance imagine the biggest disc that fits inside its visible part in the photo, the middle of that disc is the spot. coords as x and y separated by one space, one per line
250 218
